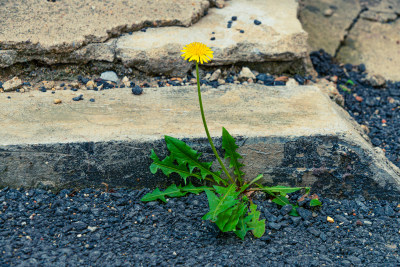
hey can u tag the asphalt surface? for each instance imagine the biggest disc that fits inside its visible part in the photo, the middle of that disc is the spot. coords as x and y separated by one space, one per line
94 228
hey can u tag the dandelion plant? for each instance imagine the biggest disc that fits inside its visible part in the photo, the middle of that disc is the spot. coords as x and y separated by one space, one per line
230 208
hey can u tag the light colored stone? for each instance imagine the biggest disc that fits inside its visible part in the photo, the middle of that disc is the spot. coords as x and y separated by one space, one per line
66 145
246 74
326 32
330 89
291 82
329 12
376 45
376 80
280 38
12 85
71 24
125 80
218 3
215 76
90 84
57 101
109 76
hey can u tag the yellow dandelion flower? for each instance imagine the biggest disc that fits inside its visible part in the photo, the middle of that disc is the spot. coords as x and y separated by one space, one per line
198 52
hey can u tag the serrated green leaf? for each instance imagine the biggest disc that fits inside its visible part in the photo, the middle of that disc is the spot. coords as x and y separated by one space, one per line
171 191
213 201
229 145
190 188
174 191
255 223
282 190
167 166
223 218
224 202
243 227
184 154
238 211
281 200
156 194
315 202
228 219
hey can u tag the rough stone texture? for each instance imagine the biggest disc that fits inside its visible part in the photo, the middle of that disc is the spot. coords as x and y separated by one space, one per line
12 84
66 25
354 35
382 10
280 38
277 45
375 44
326 32
293 135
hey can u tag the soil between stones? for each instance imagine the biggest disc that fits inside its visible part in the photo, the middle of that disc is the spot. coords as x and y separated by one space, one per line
94 228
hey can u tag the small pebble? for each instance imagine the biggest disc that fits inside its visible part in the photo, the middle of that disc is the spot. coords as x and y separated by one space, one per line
241 31
92 100
328 12
57 101
78 98
137 90
234 18
212 38
257 22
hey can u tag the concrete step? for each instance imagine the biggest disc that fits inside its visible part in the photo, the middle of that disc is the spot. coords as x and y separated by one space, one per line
294 135
99 33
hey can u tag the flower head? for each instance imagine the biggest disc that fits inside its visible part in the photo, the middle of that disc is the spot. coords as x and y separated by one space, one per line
198 52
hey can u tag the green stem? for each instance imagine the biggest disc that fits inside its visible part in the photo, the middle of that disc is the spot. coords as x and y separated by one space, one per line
205 125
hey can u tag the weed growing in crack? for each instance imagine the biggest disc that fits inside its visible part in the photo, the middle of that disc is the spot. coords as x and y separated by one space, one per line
231 209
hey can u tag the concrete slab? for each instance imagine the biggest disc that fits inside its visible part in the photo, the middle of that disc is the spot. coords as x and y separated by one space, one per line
279 38
327 21
356 35
375 44
293 135
67 25
277 45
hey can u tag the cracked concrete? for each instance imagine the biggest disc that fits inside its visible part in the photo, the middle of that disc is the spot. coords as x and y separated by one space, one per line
327 32
356 35
375 40
277 45
63 26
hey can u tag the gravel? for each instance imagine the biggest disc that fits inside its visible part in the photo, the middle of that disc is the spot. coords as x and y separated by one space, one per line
377 108
91 227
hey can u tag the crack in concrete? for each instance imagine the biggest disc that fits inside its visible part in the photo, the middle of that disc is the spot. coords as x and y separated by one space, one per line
348 30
